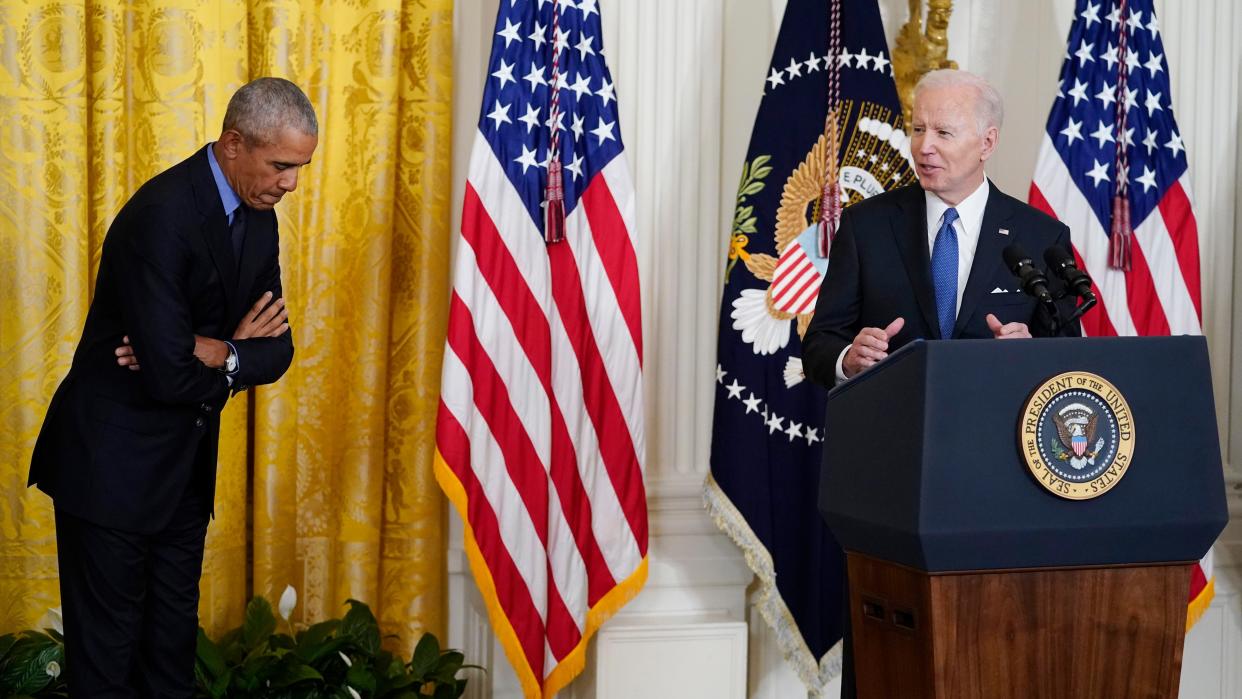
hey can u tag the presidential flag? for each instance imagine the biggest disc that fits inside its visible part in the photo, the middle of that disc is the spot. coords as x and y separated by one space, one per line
1112 166
540 427
828 134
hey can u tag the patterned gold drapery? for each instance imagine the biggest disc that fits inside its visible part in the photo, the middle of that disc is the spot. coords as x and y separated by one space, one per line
325 478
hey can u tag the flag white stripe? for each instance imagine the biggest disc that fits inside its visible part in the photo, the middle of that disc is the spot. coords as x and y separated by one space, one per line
512 221
621 185
516 529
1166 274
612 334
531 404
498 339
788 280
1089 238
616 541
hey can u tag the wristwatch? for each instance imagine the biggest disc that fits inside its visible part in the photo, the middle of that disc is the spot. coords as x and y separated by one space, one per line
230 362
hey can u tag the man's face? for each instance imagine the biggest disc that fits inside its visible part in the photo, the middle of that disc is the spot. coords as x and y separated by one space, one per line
948 149
262 174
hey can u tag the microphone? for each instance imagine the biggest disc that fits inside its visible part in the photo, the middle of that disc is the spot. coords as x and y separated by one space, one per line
1063 264
1034 283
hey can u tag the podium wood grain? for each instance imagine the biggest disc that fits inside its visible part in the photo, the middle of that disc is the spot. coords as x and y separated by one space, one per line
1082 633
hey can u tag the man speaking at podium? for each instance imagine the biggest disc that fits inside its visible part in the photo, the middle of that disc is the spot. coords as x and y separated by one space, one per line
189 284
925 261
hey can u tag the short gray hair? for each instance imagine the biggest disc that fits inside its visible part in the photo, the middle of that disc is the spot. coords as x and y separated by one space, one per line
265 106
989 108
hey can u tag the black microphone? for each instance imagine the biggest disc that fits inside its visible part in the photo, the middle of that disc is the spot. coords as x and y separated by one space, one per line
1062 263
1034 283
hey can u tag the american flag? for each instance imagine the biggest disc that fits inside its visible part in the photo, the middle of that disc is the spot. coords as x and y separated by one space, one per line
540 428
1114 90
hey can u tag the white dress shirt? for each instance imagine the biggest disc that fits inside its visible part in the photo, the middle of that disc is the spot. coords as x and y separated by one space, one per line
969 222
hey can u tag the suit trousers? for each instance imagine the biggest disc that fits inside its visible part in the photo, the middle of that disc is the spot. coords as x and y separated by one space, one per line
130 603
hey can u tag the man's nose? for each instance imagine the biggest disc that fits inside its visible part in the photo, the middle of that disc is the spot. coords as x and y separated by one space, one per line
288 180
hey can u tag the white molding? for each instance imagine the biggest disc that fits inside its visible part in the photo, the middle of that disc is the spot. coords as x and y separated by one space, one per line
705 660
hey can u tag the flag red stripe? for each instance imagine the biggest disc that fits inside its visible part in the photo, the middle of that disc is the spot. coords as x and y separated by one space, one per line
615 441
511 590
1198 581
577 508
563 631
491 396
810 280
616 252
501 271
1179 219
1095 322
800 273
1145 308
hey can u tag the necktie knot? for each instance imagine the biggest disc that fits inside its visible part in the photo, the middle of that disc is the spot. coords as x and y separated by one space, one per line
950 216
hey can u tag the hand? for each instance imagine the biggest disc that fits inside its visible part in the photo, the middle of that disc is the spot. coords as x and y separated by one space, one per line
125 355
210 351
869 347
266 318
1006 331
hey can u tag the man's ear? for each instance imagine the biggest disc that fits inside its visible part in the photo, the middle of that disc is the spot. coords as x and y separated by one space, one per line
231 143
990 138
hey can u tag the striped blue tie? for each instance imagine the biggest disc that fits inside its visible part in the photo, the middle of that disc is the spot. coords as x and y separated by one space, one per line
944 273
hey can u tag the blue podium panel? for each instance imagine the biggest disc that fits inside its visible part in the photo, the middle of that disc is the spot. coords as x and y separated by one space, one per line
923 464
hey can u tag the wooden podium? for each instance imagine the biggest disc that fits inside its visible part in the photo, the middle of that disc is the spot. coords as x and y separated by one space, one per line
969 579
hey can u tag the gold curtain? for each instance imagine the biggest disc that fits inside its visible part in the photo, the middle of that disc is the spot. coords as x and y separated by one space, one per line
325 478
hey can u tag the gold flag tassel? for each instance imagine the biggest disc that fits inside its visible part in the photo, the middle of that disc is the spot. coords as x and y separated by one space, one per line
554 193
1121 234
830 200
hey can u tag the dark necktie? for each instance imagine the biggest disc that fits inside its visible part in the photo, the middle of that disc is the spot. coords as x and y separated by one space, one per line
238 231
944 273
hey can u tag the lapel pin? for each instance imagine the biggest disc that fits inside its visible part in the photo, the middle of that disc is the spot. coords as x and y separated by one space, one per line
1004 231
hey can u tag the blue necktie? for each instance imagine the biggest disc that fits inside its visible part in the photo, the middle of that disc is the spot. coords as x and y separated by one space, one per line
944 273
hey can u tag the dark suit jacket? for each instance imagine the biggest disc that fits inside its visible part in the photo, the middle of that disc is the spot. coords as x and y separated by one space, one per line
119 447
879 269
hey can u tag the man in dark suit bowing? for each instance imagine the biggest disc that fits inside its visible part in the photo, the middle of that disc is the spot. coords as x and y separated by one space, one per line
189 283
924 261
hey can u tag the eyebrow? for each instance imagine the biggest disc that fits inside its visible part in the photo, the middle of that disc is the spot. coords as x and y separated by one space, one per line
290 164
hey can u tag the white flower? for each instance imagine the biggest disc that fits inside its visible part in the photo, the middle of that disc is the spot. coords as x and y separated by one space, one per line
53 669
353 692
348 662
288 600
53 620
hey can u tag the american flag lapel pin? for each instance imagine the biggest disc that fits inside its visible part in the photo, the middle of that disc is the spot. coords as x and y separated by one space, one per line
1004 231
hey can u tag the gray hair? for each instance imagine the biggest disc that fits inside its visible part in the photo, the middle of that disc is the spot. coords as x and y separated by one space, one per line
989 108
263 107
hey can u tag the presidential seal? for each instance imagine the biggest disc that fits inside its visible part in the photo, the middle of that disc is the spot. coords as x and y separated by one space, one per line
1077 435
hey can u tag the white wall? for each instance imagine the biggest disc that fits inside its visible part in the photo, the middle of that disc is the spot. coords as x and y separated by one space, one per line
689 76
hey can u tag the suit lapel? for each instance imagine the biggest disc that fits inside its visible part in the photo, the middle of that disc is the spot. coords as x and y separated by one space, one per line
987 254
910 230
215 225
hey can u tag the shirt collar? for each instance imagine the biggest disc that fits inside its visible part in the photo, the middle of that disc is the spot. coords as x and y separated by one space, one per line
228 197
969 210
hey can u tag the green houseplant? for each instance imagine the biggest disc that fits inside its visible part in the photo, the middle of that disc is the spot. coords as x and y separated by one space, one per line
340 658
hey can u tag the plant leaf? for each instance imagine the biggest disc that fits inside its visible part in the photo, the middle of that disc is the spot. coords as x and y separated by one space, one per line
426 655
259 623
209 655
359 625
360 677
